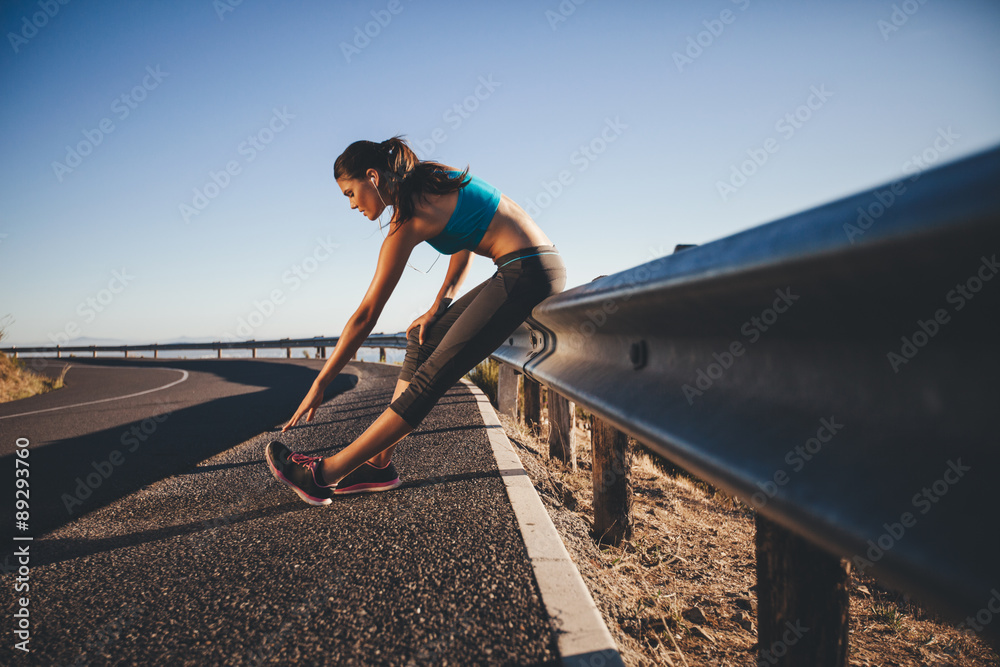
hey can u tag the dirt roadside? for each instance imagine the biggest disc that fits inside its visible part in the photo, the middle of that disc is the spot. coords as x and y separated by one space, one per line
681 591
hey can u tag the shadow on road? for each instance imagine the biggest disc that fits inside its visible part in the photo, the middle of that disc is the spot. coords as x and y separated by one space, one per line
73 477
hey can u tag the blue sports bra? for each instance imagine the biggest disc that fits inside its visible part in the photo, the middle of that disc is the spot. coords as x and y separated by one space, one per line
477 204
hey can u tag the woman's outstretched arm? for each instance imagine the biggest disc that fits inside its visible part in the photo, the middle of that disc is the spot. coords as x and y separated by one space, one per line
391 261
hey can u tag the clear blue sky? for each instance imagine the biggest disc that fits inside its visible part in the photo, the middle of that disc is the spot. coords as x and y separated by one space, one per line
883 78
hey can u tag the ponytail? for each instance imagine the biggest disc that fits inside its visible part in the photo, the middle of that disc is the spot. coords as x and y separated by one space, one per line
400 158
405 178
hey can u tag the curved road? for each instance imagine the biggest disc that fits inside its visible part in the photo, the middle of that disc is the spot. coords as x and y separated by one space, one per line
190 553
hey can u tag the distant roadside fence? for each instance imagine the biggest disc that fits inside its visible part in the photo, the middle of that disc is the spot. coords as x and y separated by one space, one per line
320 343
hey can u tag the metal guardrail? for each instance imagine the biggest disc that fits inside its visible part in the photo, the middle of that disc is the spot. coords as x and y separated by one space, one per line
319 342
836 369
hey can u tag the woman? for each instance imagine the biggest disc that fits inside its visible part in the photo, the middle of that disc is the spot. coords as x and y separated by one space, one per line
458 215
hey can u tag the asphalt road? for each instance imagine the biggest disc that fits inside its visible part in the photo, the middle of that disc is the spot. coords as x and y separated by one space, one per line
195 555
161 417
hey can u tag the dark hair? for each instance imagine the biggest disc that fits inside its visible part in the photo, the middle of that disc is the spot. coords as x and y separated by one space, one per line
405 178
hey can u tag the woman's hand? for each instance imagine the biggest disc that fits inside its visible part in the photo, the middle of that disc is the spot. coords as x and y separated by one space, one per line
428 319
423 322
308 407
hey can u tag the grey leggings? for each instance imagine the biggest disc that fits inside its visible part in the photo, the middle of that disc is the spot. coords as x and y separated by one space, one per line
467 331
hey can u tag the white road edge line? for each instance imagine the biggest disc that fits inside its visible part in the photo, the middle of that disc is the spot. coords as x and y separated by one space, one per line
584 639
114 398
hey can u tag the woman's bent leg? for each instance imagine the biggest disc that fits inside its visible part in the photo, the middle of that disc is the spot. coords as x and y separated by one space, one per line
498 309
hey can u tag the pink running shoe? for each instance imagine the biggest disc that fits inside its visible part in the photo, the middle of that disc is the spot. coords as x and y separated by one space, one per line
298 472
367 478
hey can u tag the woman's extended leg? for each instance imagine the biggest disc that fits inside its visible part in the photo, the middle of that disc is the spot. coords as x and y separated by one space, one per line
377 440
382 459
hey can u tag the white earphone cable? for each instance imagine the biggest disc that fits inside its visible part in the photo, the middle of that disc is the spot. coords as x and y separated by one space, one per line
379 221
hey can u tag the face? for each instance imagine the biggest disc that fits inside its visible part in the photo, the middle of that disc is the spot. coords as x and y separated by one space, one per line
362 195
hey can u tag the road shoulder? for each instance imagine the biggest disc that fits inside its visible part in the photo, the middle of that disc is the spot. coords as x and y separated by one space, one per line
584 638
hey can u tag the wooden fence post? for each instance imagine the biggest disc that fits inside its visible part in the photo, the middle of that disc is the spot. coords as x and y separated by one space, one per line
532 404
507 391
612 492
562 413
803 604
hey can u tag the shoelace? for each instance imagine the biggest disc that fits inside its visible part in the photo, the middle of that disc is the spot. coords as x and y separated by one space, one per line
310 463
305 460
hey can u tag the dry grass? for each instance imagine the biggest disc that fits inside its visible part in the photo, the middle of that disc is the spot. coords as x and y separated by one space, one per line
681 591
486 376
17 381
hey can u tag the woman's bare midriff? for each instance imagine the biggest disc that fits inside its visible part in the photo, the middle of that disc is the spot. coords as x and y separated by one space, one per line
510 230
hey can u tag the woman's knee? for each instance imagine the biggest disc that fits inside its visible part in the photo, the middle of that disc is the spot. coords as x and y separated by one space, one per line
413 338
401 386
